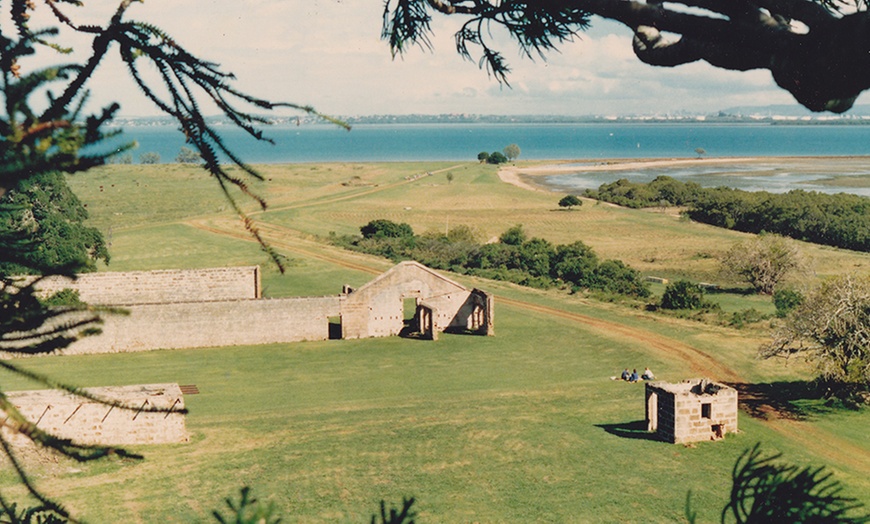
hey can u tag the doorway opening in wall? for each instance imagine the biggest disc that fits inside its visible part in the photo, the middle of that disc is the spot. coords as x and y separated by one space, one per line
410 328
335 328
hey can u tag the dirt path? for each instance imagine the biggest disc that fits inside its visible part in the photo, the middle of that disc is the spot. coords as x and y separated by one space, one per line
699 362
351 196
822 443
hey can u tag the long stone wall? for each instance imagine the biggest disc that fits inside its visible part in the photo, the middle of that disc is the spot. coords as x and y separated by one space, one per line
161 286
223 307
88 422
208 324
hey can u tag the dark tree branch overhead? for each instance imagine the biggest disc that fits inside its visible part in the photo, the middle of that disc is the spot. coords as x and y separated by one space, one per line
817 50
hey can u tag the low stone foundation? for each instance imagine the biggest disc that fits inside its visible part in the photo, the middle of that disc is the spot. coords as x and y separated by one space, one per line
88 422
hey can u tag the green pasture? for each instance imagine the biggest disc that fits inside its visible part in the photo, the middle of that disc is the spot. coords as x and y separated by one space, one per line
525 426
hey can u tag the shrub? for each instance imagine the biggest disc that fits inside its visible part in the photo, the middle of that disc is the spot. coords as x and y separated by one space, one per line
683 294
149 158
187 156
570 201
382 228
496 157
786 300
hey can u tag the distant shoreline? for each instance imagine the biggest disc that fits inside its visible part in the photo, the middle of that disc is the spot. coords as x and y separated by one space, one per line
525 176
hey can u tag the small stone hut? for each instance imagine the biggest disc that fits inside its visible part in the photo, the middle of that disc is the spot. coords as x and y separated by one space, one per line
690 411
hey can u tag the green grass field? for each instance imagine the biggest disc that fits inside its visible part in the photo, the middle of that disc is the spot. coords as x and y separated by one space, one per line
525 426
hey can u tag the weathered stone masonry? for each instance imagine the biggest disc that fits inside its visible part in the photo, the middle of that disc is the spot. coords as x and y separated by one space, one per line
88 422
691 410
222 307
163 286
174 309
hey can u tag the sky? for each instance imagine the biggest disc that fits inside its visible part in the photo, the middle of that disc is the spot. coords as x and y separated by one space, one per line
328 54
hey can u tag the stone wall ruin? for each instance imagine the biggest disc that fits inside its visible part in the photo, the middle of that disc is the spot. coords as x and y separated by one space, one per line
176 309
691 410
88 422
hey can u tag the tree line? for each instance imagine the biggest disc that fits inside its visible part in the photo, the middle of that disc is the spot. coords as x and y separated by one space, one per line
533 262
841 220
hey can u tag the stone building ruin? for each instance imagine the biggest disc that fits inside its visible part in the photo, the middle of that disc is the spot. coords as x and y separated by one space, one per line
691 410
176 309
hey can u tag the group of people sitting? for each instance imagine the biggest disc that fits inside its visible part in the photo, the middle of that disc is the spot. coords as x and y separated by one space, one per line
634 377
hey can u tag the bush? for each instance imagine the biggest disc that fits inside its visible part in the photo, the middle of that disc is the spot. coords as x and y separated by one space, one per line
615 277
531 262
683 294
187 156
570 201
743 317
514 236
382 228
64 297
496 157
786 300
149 158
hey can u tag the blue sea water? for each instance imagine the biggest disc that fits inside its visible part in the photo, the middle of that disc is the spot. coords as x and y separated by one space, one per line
462 142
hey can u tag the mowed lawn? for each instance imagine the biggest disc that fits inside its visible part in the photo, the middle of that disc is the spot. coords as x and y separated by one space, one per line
524 426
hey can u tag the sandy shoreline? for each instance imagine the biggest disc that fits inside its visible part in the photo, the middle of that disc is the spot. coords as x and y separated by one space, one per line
523 176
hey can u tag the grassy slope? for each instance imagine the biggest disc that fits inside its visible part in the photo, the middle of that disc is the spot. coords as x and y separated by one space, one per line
522 426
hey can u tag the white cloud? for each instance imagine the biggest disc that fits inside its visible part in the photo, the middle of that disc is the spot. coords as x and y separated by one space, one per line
328 53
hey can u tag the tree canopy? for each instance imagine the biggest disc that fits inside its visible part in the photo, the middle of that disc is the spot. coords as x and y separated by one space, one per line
763 262
51 217
570 201
817 50
512 152
45 134
830 328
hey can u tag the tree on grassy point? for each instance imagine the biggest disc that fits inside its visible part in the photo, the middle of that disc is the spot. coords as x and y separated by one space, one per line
512 152
817 50
570 201
150 157
830 329
483 157
187 155
496 157
763 262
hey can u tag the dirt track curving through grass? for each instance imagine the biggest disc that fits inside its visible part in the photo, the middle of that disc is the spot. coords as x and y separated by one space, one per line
699 362
823 443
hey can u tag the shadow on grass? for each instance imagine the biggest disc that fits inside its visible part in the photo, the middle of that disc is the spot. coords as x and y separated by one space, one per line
791 400
745 291
635 430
